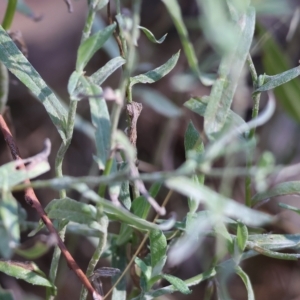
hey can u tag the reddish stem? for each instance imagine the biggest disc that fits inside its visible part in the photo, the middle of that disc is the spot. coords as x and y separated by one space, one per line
33 201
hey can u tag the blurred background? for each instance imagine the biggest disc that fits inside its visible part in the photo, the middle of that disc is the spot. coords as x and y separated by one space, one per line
52 44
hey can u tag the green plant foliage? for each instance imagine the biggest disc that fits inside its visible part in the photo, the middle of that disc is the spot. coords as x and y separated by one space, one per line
28 272
18 64
91 45
281 189
151 36
219 156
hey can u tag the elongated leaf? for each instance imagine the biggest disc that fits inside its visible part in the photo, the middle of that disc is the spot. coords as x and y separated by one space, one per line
18 64
189 282
229 71
218 203
151 36
4 86
199 105
71 210
239 271
272 82
276 241
158 250
100 119
73 81
91 45
193 141
242 236
281 189
158 102
24 9
175 13
156 74
118 212
286 94
10 175
101 4
178 284
101 75
10 221
27 271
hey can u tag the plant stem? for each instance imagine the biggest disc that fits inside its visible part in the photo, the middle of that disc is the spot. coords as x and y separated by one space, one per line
255 110
9 14
103 221
64 147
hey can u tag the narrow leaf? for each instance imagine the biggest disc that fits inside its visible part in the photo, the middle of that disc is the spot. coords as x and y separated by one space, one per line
190 282
199 105
229 71
71 210
281 189
156 74
10 220
279 79
27 271
193 141
91 45
151 36
178 284
242 236
103 73
239 271
18 64
276 241
101 121
158 250
286 94
175 13
217 202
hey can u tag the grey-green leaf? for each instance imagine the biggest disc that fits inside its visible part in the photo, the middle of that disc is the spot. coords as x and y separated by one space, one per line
151 36
100 119
71 210
91 45
276 242
239 271
178 284
156 74
27 271
158 102
18 64
217 202
175 13
158 251
242 236
229 71
10 220
272 82
281 189
101 75
193 141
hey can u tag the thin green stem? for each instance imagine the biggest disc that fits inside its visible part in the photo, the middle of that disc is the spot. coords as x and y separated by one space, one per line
9 14
64 147
4 83
103 221
255 110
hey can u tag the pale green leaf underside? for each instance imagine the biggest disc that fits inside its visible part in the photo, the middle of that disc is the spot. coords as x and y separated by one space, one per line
246 281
